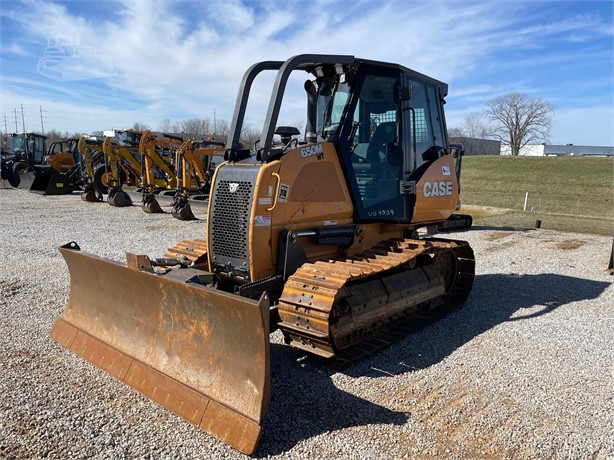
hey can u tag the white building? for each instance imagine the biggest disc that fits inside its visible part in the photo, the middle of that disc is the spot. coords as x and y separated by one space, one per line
541 150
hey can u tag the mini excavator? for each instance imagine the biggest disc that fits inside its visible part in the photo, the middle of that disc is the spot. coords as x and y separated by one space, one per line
316 237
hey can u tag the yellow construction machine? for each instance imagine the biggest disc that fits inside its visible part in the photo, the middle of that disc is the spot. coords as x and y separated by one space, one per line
158 153
196 161
314 236
123 166
174 164
92 159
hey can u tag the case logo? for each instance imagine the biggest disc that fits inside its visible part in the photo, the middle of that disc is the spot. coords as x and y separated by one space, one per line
441 188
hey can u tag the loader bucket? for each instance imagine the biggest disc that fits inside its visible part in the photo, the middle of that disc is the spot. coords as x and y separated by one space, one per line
200 352
48 181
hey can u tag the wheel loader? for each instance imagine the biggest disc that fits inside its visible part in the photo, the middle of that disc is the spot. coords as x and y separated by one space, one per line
315 236
18 161
61 171
54 171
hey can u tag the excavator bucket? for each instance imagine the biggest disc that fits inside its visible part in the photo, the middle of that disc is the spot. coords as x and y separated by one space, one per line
48 181
200 352
91 194
118 198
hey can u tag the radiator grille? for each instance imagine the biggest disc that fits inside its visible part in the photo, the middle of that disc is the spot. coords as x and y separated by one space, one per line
231 211
229 221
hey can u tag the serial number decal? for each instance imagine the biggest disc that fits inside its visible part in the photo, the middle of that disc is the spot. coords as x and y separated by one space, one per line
316 150
381 212
441 188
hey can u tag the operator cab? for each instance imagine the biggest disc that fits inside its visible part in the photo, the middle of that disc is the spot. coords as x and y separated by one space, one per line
388 123
385 120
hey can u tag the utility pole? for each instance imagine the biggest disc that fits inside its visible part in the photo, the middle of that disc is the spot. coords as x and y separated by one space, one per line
6 132
23 120
42 127
214 123
15 113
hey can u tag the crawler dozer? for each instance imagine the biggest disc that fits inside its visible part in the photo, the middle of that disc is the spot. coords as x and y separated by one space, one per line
315 236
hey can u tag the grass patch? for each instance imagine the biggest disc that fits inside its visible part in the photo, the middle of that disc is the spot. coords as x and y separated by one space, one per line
572 194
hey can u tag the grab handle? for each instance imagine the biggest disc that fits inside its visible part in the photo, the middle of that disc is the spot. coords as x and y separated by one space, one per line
276 191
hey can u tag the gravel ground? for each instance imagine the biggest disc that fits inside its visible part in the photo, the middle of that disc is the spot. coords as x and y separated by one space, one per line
524 370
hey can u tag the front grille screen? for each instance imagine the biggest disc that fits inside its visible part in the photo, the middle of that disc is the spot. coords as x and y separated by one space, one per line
231 206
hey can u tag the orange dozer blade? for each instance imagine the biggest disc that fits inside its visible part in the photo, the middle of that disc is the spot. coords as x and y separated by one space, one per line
200 352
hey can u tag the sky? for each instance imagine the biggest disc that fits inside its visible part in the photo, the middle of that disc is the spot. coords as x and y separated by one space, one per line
84 66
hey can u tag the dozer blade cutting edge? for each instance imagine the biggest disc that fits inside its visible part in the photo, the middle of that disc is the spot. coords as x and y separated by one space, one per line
200 352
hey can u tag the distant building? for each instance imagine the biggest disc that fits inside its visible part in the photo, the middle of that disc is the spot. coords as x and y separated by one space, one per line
477 146
545 150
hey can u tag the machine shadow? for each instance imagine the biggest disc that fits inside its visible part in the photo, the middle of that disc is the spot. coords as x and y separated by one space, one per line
495 299
305 402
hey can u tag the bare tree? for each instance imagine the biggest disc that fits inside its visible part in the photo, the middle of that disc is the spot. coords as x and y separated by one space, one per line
518 119
456 132
475 126
197 127
249 136
470 134
222 129
167 126
140 126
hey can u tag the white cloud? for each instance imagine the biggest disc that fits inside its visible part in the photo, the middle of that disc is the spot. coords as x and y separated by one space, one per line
177 60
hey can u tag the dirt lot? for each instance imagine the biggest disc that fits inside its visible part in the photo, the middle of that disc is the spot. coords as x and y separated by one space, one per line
524 370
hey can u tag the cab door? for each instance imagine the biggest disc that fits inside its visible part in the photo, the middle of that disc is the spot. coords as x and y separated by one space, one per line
371 141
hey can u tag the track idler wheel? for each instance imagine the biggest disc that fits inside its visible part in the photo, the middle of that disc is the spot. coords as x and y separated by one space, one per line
91 194
118 198
150 204
181 208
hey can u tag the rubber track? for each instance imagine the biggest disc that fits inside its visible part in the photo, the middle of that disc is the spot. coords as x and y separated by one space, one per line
311 294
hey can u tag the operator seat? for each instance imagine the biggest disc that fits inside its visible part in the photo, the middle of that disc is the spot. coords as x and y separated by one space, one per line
382 136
